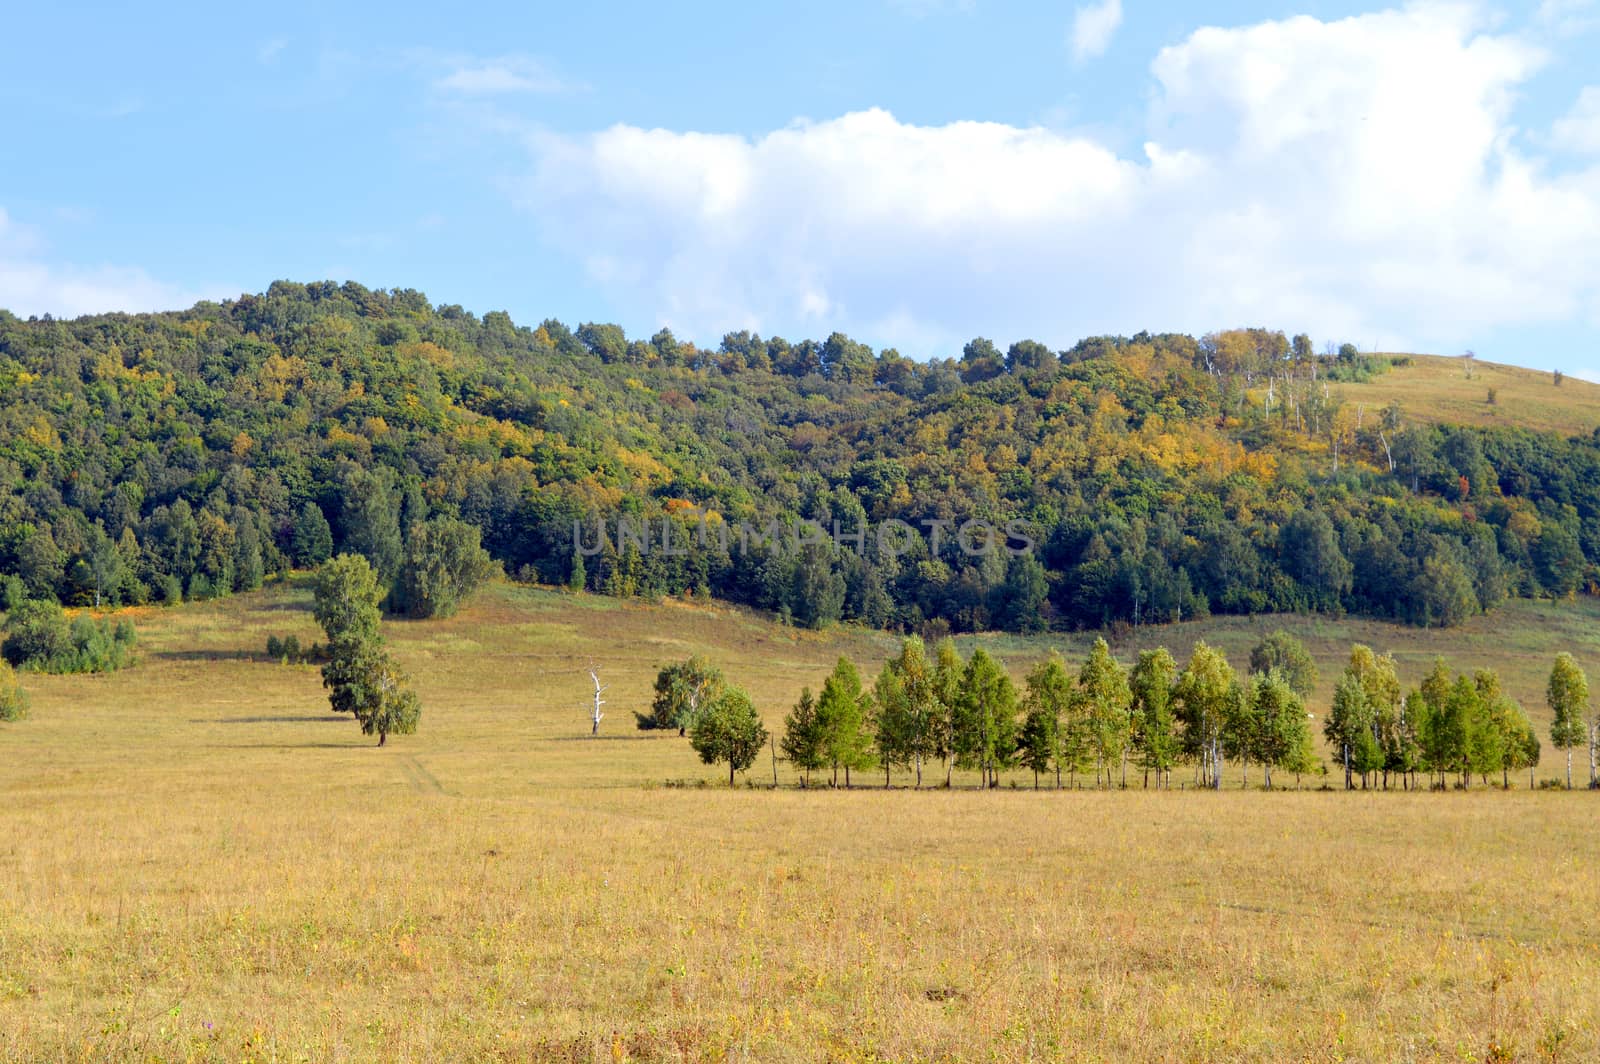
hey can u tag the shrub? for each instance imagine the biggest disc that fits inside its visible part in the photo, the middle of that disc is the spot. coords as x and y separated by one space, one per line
13 699
36 632
274 647
39 638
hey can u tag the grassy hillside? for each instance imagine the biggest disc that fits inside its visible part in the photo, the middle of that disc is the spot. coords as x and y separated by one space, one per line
1441 390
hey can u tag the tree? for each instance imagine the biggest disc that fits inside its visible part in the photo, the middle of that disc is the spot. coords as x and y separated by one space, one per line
1048 693
1280 730
842 721
682 691
948 670
345 597
1286 654
371 519
924 708
729 730
1155 735
1104 683
1049 698
361 677
1567 695
444 564
1348 729
893 725
311 541
1205 691
802 736
13 699
985 720
1380 683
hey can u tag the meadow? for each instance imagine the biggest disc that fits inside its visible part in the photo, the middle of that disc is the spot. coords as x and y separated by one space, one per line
1445 390
200 862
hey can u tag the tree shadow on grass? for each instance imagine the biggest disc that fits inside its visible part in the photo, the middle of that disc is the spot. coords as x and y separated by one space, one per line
212 655
269 720
364 744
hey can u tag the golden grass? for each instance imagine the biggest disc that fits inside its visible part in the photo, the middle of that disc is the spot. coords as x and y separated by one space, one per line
200 863
1438 390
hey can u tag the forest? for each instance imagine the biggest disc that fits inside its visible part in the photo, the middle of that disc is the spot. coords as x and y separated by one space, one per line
157 458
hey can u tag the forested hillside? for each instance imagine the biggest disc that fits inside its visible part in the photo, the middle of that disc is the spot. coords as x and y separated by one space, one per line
187 455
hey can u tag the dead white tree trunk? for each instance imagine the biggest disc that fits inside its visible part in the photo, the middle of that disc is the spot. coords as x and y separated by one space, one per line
596 716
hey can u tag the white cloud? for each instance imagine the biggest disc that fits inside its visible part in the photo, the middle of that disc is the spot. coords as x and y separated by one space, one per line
498 76
1093 26
31 285
1353 178
1579 129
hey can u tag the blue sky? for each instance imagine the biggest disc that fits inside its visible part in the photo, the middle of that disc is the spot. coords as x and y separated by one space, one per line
914 172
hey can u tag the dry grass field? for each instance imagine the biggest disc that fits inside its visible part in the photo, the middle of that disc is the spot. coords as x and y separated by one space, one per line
1445 390
199 862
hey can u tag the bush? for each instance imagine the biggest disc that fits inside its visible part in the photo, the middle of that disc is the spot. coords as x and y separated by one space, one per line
13 699
274 647
36 632
40 639
286 650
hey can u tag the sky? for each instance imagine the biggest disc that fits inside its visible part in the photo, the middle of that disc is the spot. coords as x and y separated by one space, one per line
915 173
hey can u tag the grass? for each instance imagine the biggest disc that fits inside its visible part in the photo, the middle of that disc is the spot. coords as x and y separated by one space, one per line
201 863
1440 390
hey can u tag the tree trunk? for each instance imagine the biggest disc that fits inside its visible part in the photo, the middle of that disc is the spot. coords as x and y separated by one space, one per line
730 773
1569 768
383 737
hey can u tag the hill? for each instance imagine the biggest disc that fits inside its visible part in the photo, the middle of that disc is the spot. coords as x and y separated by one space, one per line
1455 391
1144 479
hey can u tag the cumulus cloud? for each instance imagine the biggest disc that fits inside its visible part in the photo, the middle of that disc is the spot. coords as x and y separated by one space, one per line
31 285
1093 26
1356 178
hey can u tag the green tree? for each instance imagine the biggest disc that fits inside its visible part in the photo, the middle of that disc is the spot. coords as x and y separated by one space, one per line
1050 693
1380 683
444 564
730 730
361 677
924 709
985 733
1567 695
1289 656
948 670
1349 730
893 726
1104 683
371 519
311 540
682 690
345 597
1155 733
1279 717
1205 693
842 721
802 736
